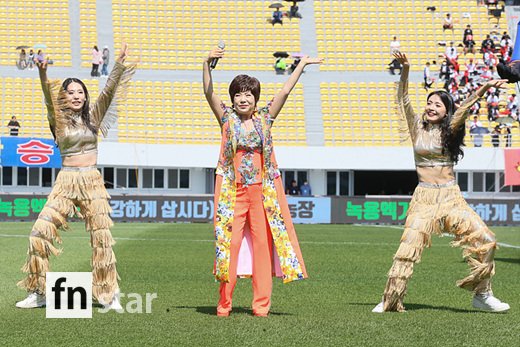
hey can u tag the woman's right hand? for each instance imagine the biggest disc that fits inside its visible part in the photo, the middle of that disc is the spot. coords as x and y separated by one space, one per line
42 67
402 59
215 53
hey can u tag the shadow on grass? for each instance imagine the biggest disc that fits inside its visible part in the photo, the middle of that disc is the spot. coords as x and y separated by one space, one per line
418 307
212 310
509 260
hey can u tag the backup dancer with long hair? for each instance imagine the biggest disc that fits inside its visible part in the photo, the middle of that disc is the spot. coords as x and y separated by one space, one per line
249 194
437 204
75 125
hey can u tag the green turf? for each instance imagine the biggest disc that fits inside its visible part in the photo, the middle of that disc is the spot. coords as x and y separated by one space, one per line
347 266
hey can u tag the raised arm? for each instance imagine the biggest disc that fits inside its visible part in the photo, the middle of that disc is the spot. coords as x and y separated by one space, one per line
459 117
403 100
46 88
213 100
283 94
99 109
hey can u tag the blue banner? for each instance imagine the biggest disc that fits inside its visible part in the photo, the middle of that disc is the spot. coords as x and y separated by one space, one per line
29 152
309 210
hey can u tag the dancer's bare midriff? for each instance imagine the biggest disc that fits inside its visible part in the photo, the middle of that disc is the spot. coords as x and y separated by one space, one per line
80 160
435 174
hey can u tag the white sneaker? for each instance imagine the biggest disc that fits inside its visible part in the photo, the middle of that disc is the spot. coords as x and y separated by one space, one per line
33 300
379 308
114 304
487 302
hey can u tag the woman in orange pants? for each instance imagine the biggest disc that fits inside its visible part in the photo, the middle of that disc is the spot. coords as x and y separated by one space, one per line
251 211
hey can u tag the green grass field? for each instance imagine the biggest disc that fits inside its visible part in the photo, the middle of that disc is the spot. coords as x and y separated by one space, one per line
347 266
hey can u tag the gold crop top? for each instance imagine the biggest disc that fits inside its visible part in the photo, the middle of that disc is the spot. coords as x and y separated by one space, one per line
72 135
426 140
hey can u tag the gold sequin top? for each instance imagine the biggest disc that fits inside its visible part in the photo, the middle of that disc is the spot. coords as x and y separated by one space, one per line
426 140
72 135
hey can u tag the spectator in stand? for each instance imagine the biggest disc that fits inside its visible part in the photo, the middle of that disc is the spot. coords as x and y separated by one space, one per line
448 23
474 110
293 11
489 58
443 71
471 67
40 57
512 106
293 188
492 104
506 41
478 138
451 52
277 17
508 136
428 81
506 48
394 65
495 136
293 66
305 189
96 60
394 46
106 59
487 44
30 60
13 126
469 43
457 97
487 73
451 79
22 60
475 123
280 66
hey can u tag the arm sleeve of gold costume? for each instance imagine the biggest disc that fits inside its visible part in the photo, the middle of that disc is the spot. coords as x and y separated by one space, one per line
405 108
49 88
103 113
459 117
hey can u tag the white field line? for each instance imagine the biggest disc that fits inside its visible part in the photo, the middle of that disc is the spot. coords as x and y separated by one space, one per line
353 243
506 245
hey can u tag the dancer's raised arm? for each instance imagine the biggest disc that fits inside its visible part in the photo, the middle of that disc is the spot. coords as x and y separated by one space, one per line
459 117
42 70
403 100
116 87
213 99
283 94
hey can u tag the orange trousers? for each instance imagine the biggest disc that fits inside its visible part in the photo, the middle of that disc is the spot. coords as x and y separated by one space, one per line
249 207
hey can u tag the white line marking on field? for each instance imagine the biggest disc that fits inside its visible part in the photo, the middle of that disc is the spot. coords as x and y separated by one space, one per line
379 226
353 243
507 245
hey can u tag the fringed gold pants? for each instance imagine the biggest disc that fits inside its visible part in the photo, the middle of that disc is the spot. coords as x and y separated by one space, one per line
83 188
435 209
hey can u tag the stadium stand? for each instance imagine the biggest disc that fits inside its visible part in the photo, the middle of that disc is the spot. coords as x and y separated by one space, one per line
88 30
23 98
31 23
165 112
372 24
176 35
363 114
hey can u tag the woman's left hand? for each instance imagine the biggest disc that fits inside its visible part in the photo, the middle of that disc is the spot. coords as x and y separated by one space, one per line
123 53
308 60
496 84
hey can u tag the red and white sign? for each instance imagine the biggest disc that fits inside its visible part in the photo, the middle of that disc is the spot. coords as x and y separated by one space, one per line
35 152
512 166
